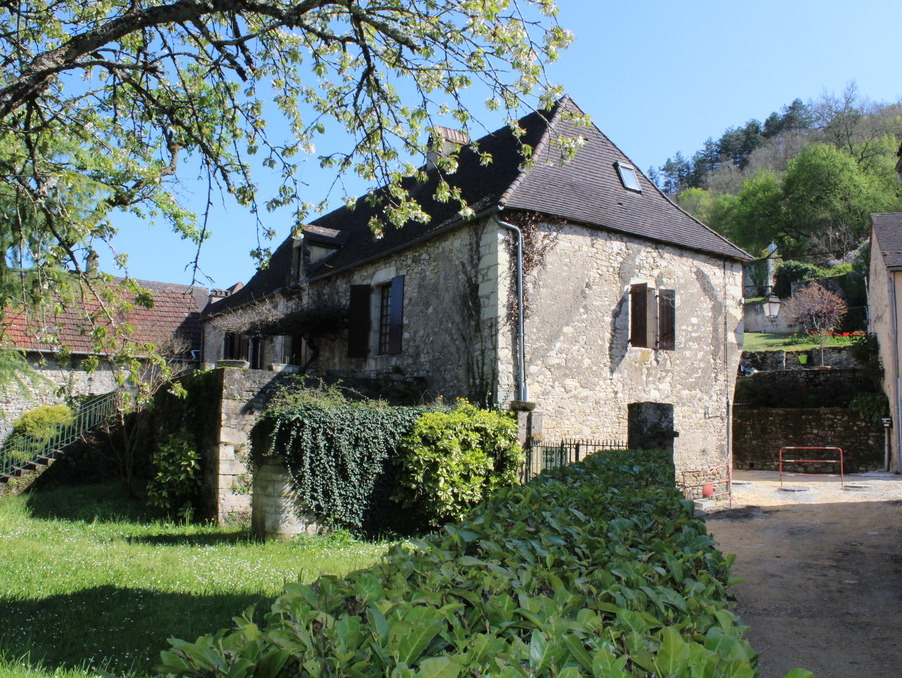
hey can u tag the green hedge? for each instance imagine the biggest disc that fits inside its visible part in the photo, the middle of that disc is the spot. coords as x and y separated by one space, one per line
596 569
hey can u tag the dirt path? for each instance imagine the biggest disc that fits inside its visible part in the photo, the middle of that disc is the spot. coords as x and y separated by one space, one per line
822 571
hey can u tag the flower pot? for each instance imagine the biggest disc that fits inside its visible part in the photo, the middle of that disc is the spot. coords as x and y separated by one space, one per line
708 490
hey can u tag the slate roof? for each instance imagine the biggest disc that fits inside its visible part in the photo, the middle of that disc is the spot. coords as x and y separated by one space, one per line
888 231
176 311
586 189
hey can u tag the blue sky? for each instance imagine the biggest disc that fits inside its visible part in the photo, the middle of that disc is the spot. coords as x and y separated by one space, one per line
656 76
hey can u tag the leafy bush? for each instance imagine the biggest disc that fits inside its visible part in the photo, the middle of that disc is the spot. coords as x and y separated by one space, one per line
870 406
175 485
452 459
788 272
35 428
42 423
599 568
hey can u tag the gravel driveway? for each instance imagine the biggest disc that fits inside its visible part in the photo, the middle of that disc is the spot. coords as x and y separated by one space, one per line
821 571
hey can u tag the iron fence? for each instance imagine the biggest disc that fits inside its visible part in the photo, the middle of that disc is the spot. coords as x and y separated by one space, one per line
20 453
541 455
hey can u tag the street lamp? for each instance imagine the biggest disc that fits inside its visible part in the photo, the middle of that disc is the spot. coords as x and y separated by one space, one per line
772 306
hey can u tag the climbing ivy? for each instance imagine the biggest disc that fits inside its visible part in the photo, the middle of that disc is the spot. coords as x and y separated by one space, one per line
336 453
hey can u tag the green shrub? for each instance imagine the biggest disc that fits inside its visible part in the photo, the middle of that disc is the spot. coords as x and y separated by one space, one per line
175 486
452 459
34 429
870 406
788 272
42 423
599 568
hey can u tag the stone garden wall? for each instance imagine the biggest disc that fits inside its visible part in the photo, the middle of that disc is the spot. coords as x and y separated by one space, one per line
837 357
232 399
790 404
758 435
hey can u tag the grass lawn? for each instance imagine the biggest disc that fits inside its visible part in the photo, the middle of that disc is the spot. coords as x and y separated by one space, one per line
761 341
86 582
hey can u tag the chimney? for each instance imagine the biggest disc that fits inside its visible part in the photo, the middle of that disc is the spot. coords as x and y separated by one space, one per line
216 295
443 142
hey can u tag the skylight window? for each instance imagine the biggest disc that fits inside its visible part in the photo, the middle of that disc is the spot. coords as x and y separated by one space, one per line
628 176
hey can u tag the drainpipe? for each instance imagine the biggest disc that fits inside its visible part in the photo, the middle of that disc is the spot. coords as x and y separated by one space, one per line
522 390
727 381
897 387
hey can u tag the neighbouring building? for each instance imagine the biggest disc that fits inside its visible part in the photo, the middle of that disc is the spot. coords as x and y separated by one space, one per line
57 343
884 308
633 308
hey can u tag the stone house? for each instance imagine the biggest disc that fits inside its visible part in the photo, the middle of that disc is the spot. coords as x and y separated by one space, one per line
884 308
632 320
57 344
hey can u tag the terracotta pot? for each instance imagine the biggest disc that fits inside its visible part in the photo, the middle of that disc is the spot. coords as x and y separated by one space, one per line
708 490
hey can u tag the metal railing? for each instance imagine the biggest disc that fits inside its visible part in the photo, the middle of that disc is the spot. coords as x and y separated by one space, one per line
20 453
541 455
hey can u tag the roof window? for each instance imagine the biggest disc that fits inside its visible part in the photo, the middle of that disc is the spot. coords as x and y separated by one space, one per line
628 176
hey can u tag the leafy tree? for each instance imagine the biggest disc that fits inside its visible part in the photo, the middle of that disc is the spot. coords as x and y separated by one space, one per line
818 310
754 218
105 105
827 199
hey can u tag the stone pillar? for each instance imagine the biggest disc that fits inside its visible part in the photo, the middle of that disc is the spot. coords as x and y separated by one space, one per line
275 506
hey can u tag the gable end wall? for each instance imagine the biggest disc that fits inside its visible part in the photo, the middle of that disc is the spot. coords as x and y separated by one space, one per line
581 370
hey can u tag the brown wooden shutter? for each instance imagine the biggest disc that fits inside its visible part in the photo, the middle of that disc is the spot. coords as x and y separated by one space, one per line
359 322
667 320
243 348
396 315
641 315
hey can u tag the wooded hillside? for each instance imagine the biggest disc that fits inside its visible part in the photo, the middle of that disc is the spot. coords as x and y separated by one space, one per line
806 179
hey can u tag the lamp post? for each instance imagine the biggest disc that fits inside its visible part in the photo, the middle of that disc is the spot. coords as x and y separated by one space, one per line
772 306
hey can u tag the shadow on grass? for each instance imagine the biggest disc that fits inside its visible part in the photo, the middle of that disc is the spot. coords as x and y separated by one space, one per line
210 539
120 630
106 502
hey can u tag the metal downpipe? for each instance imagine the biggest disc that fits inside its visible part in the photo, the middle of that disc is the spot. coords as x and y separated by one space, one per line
522 390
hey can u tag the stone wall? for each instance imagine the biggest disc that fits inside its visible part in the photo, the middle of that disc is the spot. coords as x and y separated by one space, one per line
582 370
232 400
758 435
802 388
837 357
275 505
755 320
450 315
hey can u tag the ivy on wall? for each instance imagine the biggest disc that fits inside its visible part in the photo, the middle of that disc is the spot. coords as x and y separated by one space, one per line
368 466
336 453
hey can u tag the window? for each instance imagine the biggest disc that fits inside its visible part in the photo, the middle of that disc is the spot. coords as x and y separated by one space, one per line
652 317
385 305
629 177
242 347
666 320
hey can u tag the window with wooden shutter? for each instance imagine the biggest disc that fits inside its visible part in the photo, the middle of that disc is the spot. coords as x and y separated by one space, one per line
642 316
667 320
359 322
396 315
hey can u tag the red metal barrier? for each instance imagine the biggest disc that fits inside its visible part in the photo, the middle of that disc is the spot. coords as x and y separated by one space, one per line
812 461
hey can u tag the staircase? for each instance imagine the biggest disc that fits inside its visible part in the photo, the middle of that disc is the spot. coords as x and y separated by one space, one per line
23 459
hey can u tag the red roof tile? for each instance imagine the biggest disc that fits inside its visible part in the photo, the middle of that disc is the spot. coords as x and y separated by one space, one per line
175 313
